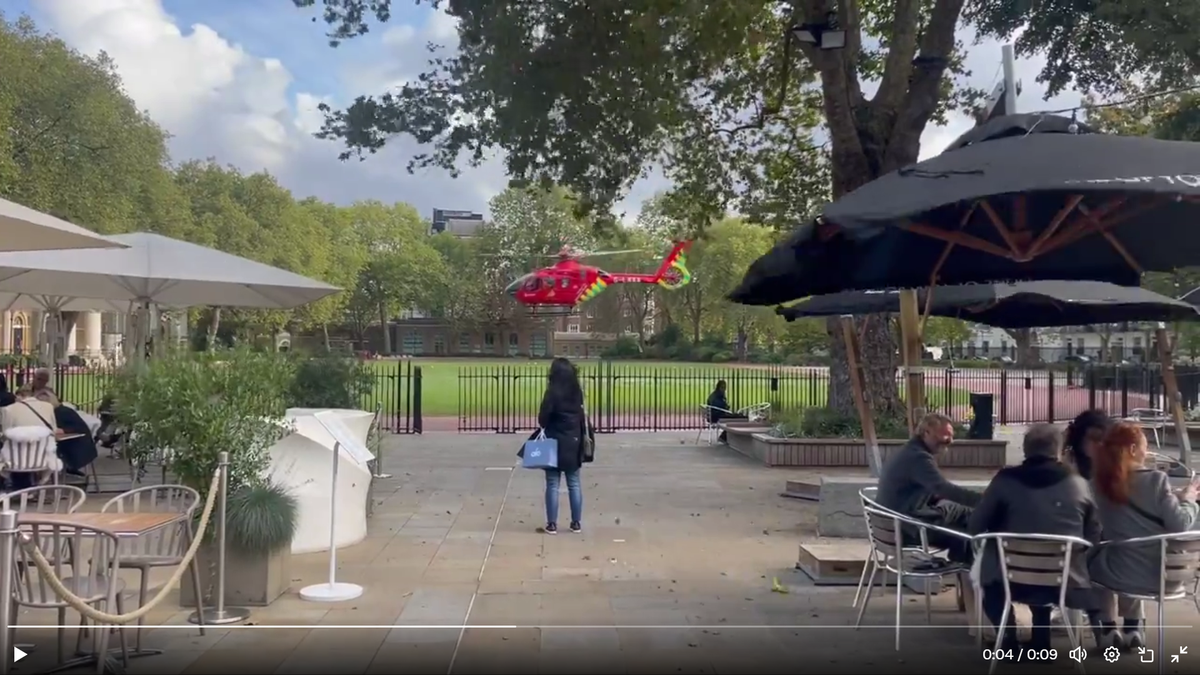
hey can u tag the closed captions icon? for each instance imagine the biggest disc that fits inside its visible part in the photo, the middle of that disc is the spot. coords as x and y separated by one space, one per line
1079 654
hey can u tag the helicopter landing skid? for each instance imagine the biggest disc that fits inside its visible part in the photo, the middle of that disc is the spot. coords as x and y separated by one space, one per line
551 311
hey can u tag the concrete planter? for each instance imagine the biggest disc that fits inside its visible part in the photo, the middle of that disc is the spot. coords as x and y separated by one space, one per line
852 452
740 436
251 580
1172 438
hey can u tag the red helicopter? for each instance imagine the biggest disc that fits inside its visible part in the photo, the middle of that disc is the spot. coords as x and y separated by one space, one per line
560 288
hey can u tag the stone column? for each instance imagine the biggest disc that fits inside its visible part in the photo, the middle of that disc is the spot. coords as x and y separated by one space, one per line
92 324
6 333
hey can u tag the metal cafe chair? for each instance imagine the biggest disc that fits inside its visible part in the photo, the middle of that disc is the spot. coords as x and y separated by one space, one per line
1033 560
91 575
166 548
1179 560
707 426
890 553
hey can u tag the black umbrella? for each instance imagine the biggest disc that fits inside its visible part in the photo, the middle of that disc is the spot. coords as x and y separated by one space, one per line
1019 305
1020 198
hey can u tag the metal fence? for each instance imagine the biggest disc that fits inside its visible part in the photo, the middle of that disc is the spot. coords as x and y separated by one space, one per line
396 392
638 397
632 396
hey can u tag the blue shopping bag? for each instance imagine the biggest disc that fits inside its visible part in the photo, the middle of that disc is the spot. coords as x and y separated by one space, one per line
540 452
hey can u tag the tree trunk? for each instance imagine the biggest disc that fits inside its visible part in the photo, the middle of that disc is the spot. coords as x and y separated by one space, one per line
325 336
743 341
1025 338
879 367
214 325
387 334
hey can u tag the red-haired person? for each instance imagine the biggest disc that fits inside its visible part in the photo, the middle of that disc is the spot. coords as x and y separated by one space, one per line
1132 501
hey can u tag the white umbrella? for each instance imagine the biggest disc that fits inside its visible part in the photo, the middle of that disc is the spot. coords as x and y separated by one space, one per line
157 270
23 229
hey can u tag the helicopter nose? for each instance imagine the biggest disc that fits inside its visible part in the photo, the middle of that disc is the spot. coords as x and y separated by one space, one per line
515 286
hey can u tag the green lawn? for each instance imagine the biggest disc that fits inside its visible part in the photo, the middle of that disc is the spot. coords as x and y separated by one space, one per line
450 387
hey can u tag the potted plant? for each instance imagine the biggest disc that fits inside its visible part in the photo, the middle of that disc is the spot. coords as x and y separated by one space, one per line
195 405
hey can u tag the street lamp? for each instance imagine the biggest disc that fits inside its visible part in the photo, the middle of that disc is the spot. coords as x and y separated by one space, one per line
825 35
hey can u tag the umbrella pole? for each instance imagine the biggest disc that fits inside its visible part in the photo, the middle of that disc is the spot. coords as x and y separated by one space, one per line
910 351
1171 394
862 401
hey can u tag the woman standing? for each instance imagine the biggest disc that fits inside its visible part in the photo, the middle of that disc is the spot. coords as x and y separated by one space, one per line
561 417
1132 502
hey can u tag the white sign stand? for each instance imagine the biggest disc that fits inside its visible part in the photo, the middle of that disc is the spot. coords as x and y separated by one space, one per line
333 590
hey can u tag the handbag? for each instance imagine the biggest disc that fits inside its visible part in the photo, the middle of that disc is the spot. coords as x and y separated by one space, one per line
587 441
540 453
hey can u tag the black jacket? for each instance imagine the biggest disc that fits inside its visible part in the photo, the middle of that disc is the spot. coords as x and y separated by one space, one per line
718 406
75 453
911 482
1040 496
562 420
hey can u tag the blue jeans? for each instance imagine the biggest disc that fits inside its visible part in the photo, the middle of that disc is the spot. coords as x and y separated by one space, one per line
574 495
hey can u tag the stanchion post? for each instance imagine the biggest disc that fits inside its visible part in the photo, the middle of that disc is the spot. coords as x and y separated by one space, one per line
377 441
8 551
220 614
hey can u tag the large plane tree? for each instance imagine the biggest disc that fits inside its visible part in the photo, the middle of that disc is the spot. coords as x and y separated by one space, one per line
717 94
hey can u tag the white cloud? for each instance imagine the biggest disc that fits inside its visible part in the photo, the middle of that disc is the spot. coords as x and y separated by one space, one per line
218 100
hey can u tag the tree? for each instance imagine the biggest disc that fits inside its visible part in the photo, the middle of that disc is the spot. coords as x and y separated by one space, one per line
946 332
731 246
74 144
1100 45
589 95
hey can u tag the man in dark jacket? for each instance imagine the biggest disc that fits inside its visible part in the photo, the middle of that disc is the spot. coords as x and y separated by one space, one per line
912 484
718 407
1041 496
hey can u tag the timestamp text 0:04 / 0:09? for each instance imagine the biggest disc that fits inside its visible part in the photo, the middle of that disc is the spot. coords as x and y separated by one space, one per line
1020 655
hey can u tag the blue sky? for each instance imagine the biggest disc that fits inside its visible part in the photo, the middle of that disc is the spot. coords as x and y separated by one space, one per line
239 81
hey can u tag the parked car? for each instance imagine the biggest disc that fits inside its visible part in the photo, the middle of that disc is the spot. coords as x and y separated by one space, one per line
1077 358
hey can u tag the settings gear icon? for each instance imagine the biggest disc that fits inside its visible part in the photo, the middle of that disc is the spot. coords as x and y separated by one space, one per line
1111 654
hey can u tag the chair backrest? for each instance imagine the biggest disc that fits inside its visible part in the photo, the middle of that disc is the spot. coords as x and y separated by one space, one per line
170 541
28 448
884 529
1035 559
706 412
45 499
70 549
1179 555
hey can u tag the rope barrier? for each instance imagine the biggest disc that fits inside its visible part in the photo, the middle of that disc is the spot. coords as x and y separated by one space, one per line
78 604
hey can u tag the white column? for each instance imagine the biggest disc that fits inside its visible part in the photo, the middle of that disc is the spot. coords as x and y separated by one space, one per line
92 324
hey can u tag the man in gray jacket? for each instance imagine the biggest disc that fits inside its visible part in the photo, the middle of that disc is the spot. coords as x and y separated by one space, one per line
912 484
1041 496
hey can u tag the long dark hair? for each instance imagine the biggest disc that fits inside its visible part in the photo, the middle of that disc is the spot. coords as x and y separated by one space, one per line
1077 433
563 382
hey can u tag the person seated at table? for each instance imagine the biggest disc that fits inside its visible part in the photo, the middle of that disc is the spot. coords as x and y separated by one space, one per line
1133 502
718 408
39 387
912 484
1040 496
1084 436
27 411
76 447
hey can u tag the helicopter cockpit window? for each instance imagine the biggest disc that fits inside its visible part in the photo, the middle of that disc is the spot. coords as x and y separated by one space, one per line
564 282
531 283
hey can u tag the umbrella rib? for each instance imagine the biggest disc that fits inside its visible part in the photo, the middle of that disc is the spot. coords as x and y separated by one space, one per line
1059 218
1002 229
959 238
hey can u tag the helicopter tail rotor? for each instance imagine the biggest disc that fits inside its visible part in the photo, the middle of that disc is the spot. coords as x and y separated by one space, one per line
673 273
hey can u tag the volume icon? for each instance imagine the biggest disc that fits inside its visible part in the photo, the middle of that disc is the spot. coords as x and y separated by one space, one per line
1079 654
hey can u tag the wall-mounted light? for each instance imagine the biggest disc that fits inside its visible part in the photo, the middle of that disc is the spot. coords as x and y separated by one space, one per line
825 35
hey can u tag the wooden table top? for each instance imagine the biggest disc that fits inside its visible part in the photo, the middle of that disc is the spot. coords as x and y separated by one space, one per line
120 524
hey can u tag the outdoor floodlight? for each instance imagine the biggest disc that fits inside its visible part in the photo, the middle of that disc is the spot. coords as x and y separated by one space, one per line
825 35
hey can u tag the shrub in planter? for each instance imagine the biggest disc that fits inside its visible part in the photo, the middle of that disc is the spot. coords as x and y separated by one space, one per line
197 405
329 381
